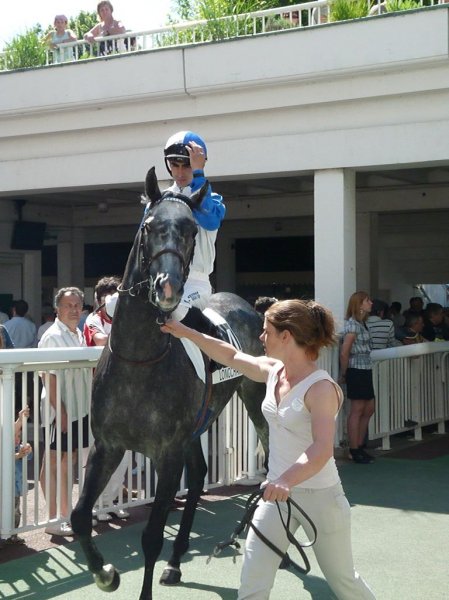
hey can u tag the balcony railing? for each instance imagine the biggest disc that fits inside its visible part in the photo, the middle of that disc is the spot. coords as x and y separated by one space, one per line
309 14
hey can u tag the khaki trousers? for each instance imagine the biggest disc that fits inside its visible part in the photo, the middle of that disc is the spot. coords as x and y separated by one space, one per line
329 510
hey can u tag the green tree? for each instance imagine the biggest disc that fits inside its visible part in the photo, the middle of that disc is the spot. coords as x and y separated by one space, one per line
397 5
25 50
213 11
343 10
83 23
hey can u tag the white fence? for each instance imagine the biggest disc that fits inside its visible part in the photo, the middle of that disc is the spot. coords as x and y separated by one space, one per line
412 389
411 385
229 446
304 15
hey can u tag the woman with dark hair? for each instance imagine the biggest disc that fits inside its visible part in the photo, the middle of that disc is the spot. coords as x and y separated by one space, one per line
301 406
356 372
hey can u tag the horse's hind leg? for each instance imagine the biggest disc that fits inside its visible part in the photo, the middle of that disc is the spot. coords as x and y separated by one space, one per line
196 470
100 466
252 395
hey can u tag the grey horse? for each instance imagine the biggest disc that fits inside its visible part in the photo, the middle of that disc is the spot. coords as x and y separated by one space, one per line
147 396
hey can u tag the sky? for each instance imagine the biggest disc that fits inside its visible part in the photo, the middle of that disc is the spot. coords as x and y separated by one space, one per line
135 14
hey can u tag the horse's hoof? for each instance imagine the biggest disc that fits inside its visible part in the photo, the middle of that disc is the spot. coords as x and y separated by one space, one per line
170 576
108 579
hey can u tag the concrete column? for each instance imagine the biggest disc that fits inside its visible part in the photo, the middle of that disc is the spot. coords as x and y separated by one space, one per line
71 257
367 260
78 257
64 262
335 241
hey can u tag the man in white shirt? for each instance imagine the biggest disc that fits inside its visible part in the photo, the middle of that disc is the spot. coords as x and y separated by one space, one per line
75 390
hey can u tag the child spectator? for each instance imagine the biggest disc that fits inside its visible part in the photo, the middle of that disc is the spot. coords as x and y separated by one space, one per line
21 451
60 35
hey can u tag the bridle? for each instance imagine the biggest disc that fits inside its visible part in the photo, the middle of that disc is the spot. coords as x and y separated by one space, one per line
146 262
148 285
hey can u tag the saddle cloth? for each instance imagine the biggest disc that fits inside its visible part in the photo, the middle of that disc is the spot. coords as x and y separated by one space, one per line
194 353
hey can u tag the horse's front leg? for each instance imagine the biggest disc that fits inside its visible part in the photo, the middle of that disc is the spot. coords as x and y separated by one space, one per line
196 470
169 472
100 466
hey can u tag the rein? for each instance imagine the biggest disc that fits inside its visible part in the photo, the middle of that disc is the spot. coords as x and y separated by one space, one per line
142 363
247 522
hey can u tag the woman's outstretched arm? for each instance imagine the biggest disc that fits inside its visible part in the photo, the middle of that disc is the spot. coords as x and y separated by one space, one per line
253 367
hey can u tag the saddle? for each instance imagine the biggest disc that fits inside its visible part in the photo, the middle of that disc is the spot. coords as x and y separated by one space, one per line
213 324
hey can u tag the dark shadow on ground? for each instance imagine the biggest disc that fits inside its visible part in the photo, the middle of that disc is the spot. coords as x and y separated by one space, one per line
403 484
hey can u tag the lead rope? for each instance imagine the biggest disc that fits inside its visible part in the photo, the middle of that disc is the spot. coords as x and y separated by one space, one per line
246 522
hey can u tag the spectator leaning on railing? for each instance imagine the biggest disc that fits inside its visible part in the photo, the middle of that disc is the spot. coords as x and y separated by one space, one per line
60 35
107 26
75 393
411 332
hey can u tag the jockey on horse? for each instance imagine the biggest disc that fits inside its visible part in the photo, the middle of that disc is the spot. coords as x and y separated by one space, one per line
185 156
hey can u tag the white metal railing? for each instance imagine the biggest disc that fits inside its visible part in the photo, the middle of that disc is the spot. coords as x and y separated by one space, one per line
229 446
304 15
412 389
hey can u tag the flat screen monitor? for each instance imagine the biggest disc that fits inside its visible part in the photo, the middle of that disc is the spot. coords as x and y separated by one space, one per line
28 235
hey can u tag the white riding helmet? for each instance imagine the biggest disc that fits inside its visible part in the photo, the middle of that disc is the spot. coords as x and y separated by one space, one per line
176 147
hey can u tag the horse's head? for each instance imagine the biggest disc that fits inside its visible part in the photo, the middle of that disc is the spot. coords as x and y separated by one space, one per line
167 241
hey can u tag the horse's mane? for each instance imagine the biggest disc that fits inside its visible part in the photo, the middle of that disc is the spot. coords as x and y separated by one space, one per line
167 195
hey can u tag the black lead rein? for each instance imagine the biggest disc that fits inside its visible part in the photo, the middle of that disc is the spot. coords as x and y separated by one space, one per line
247 522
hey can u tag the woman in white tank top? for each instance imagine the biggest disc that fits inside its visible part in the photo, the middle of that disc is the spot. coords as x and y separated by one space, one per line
301 405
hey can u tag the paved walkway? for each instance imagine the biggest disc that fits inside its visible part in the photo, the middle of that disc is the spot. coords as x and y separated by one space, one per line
400 526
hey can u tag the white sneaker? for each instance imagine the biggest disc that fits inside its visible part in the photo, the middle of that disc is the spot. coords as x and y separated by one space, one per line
119 513
63 529
102 517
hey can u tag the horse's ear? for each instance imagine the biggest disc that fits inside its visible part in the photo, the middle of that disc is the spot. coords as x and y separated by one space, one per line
198 196
152 190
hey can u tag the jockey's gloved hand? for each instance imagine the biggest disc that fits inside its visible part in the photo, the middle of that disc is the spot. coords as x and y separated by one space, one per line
109 303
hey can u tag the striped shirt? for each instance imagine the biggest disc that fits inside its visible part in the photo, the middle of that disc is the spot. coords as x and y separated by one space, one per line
361 348
382 332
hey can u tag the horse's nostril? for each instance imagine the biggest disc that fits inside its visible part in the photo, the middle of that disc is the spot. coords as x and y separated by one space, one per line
167 289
